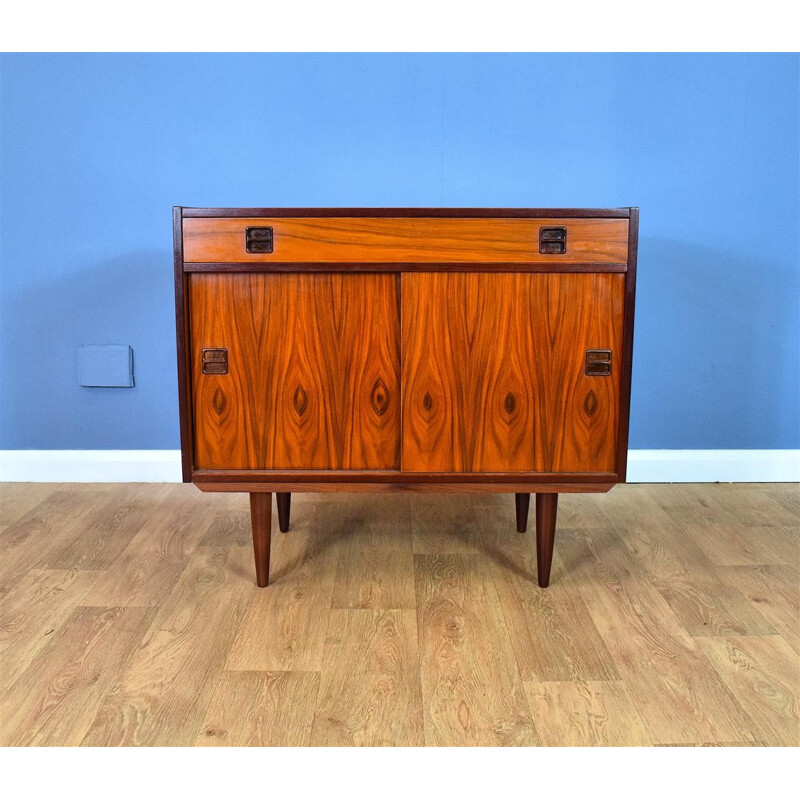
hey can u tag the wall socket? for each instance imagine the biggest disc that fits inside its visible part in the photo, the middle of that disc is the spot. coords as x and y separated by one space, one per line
109 365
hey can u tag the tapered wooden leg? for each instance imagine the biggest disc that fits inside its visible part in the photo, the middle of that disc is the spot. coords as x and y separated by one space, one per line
523 502
261 520
546 510
284 506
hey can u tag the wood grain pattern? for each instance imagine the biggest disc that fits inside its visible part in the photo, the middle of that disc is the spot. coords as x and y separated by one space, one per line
124 512
313 379
464 644
18 500
763 672
164 689
704 603
32 609
654 654
493 372
281 629
398 239
554 637
370 691
600 658
261 709
585 714
774 590
147 569
376 561
55 700
28 541
477 485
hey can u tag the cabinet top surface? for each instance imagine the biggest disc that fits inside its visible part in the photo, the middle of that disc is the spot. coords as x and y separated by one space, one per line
614 213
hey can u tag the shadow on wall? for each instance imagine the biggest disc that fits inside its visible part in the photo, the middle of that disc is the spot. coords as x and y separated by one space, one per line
716 350
126 300
715 357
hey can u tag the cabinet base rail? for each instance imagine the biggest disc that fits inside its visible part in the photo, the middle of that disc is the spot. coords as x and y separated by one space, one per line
261 520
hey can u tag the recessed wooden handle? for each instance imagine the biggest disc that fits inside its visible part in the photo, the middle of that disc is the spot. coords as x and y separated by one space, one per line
259 240
215 361
598 362
553 241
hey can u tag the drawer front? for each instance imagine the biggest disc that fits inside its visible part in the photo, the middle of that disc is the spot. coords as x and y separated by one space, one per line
404 240
511 372
295 371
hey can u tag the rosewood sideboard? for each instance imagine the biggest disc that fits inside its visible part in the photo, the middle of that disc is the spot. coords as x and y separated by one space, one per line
433 350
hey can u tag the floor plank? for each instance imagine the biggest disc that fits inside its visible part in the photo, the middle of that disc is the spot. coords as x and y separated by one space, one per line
162 696
585 714
678 695
446 525
107 529
55 699
284 628
376 559
27 542
471 688
763 672
18 499
554 637
370 691
261 709
151 563
774 589
32 611
702 600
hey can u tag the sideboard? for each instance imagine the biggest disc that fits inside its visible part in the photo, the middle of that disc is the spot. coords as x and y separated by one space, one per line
404 349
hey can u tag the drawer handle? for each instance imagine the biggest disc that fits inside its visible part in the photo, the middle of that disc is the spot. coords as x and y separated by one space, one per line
259 240
598 362
553 241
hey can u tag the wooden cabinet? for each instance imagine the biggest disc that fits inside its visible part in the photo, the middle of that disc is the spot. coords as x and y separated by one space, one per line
404 350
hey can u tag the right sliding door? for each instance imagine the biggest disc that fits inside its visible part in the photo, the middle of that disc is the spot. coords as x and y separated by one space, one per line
495 375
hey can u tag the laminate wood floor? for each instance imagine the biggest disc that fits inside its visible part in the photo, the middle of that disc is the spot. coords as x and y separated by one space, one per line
129 616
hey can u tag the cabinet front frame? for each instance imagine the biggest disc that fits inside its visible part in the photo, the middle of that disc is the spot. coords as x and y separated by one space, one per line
397 480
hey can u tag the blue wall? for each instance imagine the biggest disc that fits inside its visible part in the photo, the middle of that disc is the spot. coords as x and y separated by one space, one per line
97 148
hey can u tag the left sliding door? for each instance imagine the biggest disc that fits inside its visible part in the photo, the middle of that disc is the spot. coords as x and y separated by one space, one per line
295 371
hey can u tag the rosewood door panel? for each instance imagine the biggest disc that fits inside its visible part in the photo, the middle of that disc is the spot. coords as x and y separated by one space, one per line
466 389
493 372
313 371
578 414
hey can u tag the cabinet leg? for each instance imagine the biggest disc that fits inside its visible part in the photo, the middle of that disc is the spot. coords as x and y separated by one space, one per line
546 510
261 520
523 502
284 507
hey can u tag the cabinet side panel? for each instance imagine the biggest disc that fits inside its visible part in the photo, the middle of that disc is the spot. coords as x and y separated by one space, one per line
577 415
313 371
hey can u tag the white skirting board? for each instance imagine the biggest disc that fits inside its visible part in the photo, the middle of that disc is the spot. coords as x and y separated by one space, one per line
644 466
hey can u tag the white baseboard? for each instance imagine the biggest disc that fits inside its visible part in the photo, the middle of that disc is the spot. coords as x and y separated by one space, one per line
712 466
90 466
644 466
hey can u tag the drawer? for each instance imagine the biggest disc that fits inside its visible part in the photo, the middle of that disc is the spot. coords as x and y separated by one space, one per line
404 240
